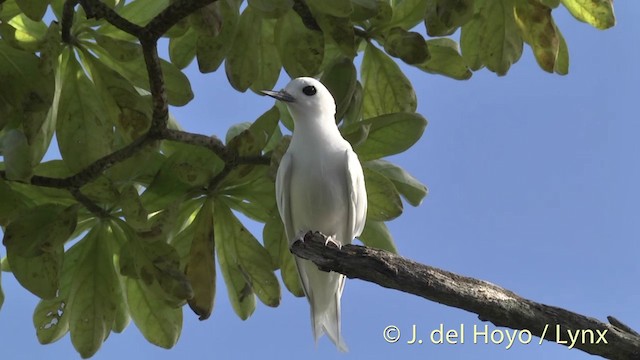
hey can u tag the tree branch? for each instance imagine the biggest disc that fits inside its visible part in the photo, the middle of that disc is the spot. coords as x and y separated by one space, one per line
67 21
98 10
491 302
170 16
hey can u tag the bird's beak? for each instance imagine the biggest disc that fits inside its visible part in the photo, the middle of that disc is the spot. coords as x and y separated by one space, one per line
279 95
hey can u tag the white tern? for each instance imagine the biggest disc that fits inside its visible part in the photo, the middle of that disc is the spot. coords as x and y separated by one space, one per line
319 187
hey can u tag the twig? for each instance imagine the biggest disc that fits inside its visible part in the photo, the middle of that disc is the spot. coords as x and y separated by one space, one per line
170 16
491 302
88 203
67 20
98 10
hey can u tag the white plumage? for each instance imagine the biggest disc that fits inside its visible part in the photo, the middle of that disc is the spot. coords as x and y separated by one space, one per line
319 187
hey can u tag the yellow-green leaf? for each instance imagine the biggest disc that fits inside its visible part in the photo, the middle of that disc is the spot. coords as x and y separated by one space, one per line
539 31
276 243
339 8
409 187
383 200
340 78
50 320
241 65
445 60
34 9
271 8
201 267
268 60
406 45
83 131
211 49
158 322
301 50
598 13
92 300
407 13
444 17
386 88
17 159
386 134
377 235
492 37
1 293
182 49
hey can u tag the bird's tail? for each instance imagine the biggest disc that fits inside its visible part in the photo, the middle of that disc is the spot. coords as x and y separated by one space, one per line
323 290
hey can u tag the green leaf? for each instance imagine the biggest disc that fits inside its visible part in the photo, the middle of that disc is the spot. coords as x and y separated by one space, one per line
182 49
276 243
158 322
255 199
211 49
34 9
132 208
598 13
408 46
383 200
444 17
539 31
377 235
92 300
28 33
386 134
264 127
11 205
241 65
386 88
301 50
201 268
364 9
338 29
246 265
120 50
445 60
354 110
50 320
340 78
17 159
409 187
407 13
271 8
177 85
338 8
83 131
268 60
42 229
137 12
492 38
562 61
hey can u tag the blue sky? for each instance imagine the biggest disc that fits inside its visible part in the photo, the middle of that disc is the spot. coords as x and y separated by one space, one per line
533 183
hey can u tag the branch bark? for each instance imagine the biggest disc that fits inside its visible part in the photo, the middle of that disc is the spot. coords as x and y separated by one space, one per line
491 302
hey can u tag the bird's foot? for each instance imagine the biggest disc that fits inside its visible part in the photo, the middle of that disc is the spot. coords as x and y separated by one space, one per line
331 242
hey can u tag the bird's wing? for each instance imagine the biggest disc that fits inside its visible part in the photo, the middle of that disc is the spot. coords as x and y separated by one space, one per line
357 199
283 186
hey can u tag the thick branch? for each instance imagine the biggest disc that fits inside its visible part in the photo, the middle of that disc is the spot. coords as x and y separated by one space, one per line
98 10
491 302
67 20
170 16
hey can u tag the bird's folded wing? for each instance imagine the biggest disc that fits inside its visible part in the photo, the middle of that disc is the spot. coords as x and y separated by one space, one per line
283 186
357 199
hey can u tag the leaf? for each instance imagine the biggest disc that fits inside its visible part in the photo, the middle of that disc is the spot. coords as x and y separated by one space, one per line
28 33
42 229
301 50
562 61
365 9
83 131
383 200
386 134
201 268
17 159
120 50
50 321
354 110
407 13
444 17
158 322
445 60
338 29
386 88
267 57
598 13
11 205
182 49
34 9
137 12
177 85
246 266
338 8
409 187
271 8
241 65
492 38
264 127
276 243
255 199
408 46
1 293
92 300
211 49
132 208
539 31
377 235
340 78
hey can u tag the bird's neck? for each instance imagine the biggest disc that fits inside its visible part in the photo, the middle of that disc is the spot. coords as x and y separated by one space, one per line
315 130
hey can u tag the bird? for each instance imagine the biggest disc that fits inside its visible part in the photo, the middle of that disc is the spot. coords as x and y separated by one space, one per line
320 187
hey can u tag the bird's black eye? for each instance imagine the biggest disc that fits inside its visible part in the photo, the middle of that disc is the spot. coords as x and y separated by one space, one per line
309 90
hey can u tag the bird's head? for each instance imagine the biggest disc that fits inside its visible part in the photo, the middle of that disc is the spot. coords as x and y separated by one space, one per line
305 96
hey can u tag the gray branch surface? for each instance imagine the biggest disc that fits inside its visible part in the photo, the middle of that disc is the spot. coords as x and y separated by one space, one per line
491 302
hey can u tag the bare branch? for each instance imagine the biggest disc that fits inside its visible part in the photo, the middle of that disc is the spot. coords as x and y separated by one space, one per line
300 7
170 16
88 203
156 85
491 302
98 10
212 143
